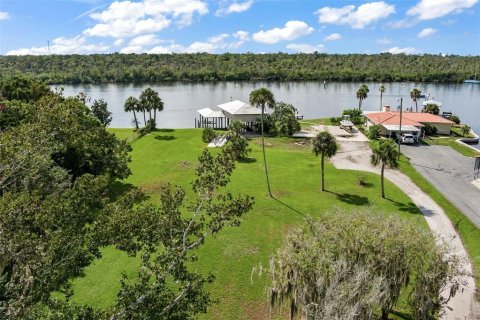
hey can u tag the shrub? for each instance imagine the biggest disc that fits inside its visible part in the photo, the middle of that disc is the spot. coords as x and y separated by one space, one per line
286 122
431 108
430 130
237 147
356 116
455 119
335 121
373 133
208 135
362 179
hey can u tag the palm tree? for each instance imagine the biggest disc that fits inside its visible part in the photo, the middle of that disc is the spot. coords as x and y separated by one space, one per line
324 144
151 101
415 95
132 104
263 98
385 153
382 90
465 130
362 94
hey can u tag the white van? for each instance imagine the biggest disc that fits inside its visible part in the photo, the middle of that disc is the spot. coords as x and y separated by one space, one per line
407 138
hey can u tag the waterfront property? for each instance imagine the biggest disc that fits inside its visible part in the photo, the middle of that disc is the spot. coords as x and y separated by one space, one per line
227 112
411 122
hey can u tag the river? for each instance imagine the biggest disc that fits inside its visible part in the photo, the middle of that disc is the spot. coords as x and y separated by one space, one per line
312 99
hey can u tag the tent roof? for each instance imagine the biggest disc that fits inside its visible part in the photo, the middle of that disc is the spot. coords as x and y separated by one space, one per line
209 113
238 107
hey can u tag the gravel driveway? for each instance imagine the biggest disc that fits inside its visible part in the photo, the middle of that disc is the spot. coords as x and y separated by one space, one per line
451 173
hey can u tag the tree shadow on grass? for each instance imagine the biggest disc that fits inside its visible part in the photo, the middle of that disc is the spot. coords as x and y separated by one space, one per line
165 138
247 160
119 189
406 207
164 130
351 198
288 206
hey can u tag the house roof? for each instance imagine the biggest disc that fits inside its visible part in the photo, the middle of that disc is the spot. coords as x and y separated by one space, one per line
209 113
238 107
408 118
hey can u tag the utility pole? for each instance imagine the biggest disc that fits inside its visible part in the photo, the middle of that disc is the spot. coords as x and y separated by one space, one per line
400 129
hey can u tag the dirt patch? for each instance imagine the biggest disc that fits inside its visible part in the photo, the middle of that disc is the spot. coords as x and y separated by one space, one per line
281 193
153 187
257 311
184 164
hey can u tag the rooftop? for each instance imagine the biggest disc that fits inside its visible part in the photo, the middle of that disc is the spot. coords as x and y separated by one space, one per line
239 107
408 118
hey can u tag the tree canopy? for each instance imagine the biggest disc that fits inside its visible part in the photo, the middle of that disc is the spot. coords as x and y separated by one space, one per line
128 68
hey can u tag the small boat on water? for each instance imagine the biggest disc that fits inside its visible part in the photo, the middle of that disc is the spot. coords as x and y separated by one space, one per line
472 81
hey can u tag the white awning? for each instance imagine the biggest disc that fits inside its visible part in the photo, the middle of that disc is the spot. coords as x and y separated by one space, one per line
406 128
209 113
238 107
438 103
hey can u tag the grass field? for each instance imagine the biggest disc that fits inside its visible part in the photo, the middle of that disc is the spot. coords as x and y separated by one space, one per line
451 142
170 156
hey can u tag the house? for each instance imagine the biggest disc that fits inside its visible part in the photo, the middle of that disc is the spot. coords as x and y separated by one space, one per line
227 112
412 122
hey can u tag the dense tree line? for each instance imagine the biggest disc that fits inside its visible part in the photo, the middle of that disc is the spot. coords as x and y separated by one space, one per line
56 69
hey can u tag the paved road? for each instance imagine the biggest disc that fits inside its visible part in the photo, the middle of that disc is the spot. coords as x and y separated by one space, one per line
355 155
451 173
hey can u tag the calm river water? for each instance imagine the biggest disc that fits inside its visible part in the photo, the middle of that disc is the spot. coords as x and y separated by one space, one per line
312 99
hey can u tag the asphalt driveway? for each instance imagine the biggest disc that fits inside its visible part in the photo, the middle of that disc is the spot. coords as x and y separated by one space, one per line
451 173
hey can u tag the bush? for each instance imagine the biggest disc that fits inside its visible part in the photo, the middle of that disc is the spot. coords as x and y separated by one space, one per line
286 122
335 121
237 147
356 116
455 119
268 125
430 130
431 108
373 133
208 135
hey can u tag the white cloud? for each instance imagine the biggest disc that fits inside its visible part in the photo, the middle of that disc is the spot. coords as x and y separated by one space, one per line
234 7
125 18
384 41
4 15
291 31
305 48
76 45
242 35
132 49
404 23
406 50
426 32
118 42
145 40
333 36
364 15
432 9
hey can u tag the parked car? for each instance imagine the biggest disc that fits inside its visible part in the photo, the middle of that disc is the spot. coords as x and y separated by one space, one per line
407 138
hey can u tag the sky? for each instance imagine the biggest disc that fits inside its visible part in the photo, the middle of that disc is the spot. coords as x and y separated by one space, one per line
41 27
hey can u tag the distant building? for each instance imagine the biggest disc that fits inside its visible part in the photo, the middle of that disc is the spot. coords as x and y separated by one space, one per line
229 111
412 122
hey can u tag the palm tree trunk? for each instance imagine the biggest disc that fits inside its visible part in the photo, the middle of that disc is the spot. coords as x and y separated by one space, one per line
150 114
323 170
144 118
416 105
155 117
135 118
264 157
383 188
381 100
359 104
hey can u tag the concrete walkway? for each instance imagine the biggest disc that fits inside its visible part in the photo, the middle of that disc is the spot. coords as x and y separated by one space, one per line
451 173
355 155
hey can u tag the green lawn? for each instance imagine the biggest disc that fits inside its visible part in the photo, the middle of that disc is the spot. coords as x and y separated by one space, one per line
451 142
170 156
